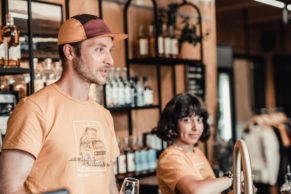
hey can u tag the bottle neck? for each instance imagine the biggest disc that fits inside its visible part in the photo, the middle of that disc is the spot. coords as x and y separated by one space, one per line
9 20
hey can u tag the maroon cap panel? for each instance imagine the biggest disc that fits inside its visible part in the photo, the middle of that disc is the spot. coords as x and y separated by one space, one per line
96 28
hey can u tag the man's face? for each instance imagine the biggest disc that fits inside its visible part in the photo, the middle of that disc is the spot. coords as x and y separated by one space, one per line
94 63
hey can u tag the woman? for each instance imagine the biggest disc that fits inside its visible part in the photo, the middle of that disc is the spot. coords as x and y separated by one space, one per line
182 167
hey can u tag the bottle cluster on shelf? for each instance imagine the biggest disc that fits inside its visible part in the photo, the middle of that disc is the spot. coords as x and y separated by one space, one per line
10 52
12 87
46 72
167 41
123 92
138 155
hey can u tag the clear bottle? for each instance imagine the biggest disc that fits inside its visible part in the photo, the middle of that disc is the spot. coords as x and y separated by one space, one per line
120 88
127 88
148 92
286 187
48 72
109 88
121 160
10 36
129 156
58 69
38 75
152 41
143 42
161 42
140 92
174 43
151 152
167 42
133 91
138 157
20 86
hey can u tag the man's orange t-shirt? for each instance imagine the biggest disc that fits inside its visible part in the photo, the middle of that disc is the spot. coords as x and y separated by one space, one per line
73 142
175 163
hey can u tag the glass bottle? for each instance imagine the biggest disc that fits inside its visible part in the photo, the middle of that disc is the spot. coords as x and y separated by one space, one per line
20 86
140 92
48 72
142 42
127 88
167 41
148 92
38 75
286 187
133 91
174 43
161 44
152 41
10 38
129 156
121 160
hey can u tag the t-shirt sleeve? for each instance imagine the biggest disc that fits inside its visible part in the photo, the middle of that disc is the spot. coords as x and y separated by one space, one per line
172 167
114 149
25 128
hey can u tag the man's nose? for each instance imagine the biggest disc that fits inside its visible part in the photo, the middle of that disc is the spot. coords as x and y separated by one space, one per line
109 59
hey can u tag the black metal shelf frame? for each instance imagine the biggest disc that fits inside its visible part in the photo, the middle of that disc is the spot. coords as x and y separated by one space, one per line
14 71
158 69
122 109
158 61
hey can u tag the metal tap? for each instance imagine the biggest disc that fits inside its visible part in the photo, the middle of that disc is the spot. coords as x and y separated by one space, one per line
241 153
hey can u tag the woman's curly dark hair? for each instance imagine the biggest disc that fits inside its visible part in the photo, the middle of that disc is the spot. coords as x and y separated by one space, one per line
182 105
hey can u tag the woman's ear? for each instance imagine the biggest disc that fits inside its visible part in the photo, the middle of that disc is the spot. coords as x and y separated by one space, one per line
69 51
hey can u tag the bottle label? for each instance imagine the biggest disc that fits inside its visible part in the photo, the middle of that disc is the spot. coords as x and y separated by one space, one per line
148 97
143 46
38 84
122 164
140 97
174 47
120 93
161 45
138 161
130 162
108 92
2 54
127 95
5 44
167 46
14 52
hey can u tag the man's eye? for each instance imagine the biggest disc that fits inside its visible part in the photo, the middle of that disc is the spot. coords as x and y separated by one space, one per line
99 49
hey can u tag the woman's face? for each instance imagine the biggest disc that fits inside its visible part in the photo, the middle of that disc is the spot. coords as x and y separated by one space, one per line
190 129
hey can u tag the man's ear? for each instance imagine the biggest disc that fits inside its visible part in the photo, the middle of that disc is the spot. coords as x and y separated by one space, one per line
69 51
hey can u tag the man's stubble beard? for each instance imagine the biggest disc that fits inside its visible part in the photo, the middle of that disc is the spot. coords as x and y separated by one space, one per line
80 69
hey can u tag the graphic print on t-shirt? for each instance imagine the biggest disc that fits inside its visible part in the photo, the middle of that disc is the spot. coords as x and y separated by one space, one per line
91 150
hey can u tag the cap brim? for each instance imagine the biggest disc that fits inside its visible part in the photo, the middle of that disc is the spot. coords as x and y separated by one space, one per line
116 36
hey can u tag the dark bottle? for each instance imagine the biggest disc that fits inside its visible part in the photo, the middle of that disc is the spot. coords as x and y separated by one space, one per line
152 41
11 42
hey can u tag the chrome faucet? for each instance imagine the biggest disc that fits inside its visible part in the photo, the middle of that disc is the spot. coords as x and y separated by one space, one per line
241 153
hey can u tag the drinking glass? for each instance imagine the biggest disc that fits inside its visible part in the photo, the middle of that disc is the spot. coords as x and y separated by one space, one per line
130 186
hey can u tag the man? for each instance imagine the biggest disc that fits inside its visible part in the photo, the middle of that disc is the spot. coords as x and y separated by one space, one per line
58 137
